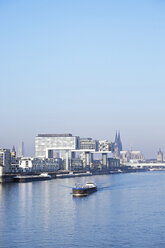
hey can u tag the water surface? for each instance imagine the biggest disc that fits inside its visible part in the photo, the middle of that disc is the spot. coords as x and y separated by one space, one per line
128 210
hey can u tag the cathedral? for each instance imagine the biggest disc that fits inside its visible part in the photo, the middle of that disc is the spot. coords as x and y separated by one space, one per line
117 145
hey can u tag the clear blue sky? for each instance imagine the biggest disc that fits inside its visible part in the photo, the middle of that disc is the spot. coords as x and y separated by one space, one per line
87 67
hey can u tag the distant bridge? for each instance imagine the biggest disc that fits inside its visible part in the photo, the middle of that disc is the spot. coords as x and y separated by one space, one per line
144 165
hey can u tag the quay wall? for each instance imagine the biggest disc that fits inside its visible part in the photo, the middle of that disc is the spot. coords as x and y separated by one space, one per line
6 178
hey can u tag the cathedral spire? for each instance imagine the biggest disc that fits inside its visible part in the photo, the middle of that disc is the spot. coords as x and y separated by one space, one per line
116 137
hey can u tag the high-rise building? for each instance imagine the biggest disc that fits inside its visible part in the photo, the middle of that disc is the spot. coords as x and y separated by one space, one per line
21 151
119 142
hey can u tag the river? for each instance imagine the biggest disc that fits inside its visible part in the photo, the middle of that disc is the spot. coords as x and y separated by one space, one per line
128 210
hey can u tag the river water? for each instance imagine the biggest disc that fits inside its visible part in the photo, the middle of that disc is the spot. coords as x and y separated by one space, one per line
128 210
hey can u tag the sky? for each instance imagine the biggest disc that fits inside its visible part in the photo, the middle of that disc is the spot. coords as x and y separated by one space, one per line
86 67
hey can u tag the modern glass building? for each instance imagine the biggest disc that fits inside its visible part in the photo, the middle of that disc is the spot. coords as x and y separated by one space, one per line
88 143
46 144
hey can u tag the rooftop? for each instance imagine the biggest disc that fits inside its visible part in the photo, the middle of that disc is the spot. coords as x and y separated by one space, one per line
55 135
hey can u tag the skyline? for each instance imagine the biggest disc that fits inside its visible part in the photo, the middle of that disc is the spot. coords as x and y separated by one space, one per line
87 68
20 148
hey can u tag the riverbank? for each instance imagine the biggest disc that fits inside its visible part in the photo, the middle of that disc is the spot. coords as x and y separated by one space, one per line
9 178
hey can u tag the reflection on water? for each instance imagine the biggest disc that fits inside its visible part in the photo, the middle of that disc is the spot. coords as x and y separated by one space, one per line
126 211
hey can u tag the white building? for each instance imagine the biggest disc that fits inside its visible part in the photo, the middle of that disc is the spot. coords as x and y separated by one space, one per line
46 145
31 164
88 143
131 156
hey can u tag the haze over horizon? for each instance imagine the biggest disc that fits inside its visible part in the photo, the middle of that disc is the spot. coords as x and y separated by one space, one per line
83 67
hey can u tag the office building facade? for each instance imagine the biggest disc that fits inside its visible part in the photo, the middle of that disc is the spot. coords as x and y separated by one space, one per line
51 145
104 145
5 161
88 144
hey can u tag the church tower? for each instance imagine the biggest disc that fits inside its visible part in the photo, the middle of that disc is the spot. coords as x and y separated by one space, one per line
160 156
13 152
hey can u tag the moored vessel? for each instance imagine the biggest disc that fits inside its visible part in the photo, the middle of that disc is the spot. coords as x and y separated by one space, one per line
30 178
84 190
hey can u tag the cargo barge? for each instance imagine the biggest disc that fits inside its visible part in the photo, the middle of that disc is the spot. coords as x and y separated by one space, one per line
84 190
30 178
